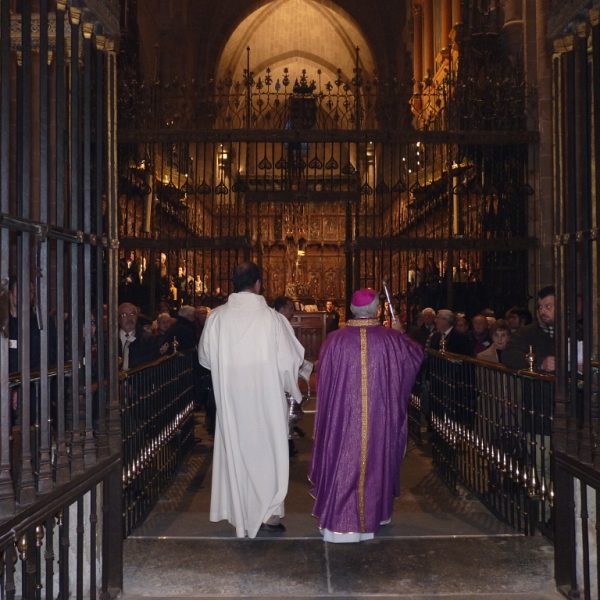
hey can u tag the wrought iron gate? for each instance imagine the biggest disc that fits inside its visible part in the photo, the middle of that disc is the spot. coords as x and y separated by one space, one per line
330 185
577 216
441 215
60 463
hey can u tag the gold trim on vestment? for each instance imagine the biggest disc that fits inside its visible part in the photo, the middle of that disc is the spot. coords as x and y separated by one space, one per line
362 322
365 425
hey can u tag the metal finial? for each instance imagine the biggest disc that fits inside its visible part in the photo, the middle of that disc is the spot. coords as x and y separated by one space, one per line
530 358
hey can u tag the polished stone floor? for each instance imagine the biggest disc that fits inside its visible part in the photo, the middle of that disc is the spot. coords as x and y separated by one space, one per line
439 546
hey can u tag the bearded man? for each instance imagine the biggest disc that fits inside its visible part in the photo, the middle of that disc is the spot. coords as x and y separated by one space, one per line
365 375
539 335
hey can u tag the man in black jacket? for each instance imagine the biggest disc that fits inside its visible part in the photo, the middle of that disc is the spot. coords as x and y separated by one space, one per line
456 342
332 318
421 334
183 330
539 335
136 347
454 400
537 404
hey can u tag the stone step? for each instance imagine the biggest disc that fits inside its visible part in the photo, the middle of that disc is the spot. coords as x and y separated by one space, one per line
491 568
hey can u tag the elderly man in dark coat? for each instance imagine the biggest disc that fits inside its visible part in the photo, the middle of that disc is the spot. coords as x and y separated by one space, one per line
136 347
456 342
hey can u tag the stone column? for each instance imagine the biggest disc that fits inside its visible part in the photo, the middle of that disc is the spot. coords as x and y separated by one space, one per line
456 16
428 58
446 24
545 179
417 103
417 43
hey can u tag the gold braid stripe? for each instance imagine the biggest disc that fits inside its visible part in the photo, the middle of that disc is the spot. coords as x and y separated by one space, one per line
365 426
362 322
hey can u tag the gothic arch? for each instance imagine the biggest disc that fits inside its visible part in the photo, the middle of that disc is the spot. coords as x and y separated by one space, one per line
279 30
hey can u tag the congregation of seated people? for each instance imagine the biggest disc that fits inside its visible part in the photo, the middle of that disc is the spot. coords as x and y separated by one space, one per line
505 341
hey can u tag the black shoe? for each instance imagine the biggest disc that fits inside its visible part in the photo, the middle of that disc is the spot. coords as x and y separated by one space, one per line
272 528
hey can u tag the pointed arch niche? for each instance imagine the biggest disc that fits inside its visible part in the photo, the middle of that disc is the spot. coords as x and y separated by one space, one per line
298 34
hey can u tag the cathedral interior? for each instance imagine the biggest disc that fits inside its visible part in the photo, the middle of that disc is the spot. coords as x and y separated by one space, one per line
335 148
444 149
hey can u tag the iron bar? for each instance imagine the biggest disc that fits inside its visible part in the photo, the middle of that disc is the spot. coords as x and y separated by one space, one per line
26 490
80 533
483 138
93 541
63 553
89 443
75 255
462 243
45 476
99 181
585 540
45 230
7 494
49 557
113 408
10 559
61 459
590 300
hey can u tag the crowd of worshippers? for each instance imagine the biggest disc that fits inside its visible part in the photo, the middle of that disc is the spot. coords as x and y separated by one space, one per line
499 340
143 340
148 339
176 286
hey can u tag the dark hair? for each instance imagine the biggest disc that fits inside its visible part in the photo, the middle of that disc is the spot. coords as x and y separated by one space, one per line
549 290
144 320
245 276
499 324
524 314
12 282
280 302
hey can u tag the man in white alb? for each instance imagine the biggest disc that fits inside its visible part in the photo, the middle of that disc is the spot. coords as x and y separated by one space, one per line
254 359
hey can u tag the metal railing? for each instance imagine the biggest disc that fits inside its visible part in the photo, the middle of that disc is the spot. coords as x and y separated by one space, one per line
58 541
65 546
157 415
490 431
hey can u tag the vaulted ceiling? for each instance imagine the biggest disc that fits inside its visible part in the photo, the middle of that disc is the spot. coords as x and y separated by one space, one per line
208 40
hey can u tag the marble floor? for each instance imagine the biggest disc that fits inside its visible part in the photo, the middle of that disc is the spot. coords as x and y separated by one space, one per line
439 545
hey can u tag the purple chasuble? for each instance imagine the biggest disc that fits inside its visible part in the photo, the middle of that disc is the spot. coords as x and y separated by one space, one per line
365 375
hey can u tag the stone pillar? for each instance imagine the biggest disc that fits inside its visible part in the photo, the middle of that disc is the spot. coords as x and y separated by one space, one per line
428 58
513 27
456 16
539 67
446 24
417 103
417 43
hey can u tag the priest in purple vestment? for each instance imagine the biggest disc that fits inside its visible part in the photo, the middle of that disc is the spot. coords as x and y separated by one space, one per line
365 375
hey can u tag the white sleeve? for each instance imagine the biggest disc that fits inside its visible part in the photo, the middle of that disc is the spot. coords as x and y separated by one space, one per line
290 355
203 348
